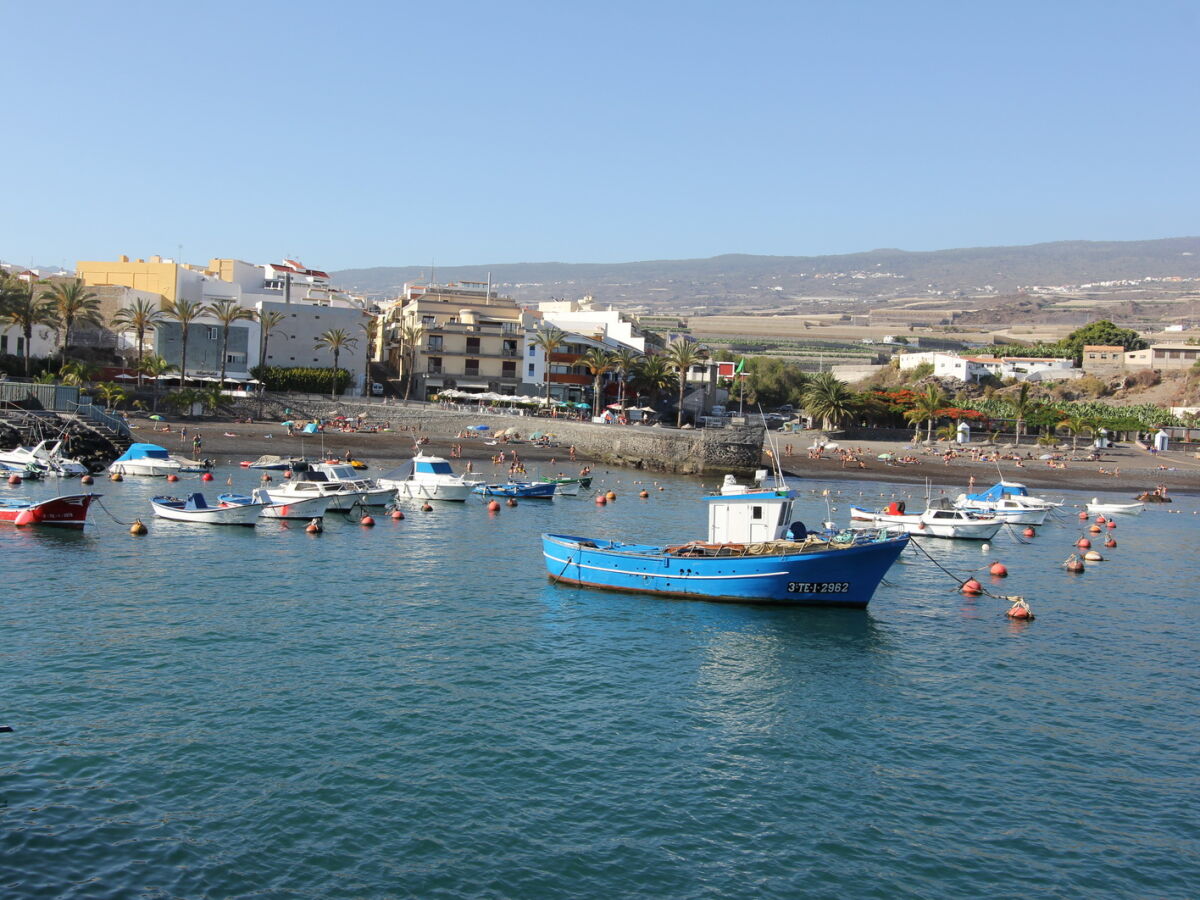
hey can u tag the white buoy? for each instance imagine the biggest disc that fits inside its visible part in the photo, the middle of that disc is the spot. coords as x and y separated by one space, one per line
986 547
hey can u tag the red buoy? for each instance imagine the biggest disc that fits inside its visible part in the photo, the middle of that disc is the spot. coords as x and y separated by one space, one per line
267 477
1074 565
14 479
494 506
172 477
1083 516
397 515
644 494
207 476
314 527
1029 532
1100 520
366 521
600 501
1020 610
972 588
1112 524
426 506
999 570
1109 542
86 479
287 473
1083 543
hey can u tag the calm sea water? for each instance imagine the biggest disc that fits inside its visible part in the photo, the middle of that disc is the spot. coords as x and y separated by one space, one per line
413 710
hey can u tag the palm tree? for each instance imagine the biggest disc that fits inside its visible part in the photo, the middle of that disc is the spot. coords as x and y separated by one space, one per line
111 393
410 340
623 363
212 397
1022 406
653 374
185 312
926 407
77 373
140 316
597 361
549 338
19 307
268 321
828 399
1076 423
681 355
72 303
335 339
227 312
368 326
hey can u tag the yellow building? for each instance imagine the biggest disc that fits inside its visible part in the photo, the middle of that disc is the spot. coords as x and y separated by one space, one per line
154 275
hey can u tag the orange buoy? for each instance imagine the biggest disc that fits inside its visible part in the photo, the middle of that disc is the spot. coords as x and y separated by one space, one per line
287 473
511 501
397 515
1095 529
600 501
172 477
494 506
1083 543
644 494
207 476
86 479
971 587
267 477
1100 520
1111 524
426 506
611 495
1109 542
314 527
14 479
1083 516
366 521
115 476
1029 532
1020 610
1074 564
137 527
999 570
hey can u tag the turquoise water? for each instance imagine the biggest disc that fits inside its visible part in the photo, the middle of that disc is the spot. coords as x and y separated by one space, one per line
413 710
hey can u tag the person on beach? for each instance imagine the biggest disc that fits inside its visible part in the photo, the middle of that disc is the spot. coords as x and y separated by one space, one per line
196 444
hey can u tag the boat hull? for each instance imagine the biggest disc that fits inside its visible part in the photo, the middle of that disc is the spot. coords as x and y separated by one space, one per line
274 508
844 577
68 511
214 515
534 491
1116 509
919 525
149 468
422 490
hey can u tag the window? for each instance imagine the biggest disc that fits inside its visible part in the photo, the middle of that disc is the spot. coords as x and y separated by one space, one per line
3 343
472 345
508 369
756 513
435 343
531 368
532 350
434 366
428 321
213 334
20 345
472 367
509 348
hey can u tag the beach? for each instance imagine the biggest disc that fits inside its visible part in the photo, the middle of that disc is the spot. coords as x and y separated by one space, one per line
1122 470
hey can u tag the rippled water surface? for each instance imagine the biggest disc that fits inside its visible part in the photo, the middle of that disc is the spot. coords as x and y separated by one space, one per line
413 710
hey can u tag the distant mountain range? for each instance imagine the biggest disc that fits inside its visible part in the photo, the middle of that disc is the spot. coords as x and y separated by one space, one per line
737 282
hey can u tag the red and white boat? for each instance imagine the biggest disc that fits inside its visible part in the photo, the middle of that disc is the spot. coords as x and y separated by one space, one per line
68 511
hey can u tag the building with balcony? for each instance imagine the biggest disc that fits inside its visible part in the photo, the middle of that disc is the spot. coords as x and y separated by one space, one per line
470 339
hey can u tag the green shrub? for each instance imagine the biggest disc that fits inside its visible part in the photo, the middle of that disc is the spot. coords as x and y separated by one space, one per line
303 379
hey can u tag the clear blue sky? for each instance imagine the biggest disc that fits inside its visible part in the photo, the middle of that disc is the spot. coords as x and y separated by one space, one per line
357 134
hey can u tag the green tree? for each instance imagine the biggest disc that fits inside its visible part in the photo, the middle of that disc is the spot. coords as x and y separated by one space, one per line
410 343
336 340
77 373
72 303
111 393
369 326
624 362
772 382
227 312
140 316
1101 332
184 400
1023 406
185 312
597 361
212 397
681 354
926 407
268 321
19 307
1076 423
549 338
653 375
828 399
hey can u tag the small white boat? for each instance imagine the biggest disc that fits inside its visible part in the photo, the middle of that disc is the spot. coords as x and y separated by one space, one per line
275 508
1009 509
196 509
145 459
1012 491
44 456
429 478
1096 508
939 519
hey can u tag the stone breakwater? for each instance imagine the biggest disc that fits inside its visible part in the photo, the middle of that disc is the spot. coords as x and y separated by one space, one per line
686 451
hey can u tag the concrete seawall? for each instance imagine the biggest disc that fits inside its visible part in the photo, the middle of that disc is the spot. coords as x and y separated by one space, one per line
687 451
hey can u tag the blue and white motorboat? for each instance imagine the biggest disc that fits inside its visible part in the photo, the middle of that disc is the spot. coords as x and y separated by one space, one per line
145 459
1010 501
46 458
272 507
754 554
524 490
429 478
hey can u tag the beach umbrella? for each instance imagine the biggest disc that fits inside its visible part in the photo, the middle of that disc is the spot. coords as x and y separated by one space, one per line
156 417
583 406
885 456
509 432
124 377
479 427
288 424
537 435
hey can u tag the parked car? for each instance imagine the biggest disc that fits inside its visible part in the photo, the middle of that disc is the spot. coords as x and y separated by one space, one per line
377 389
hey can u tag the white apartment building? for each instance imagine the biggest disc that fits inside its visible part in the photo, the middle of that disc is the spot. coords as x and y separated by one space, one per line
972 368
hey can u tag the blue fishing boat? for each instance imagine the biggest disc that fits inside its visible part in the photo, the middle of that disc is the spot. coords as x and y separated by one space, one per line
754 554
525 490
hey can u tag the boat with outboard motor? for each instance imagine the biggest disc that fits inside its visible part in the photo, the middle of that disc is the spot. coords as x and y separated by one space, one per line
45 457
369 492
272 507
145 459
429 478
524 490
939 519
568 486
67 511
195 508
754 554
